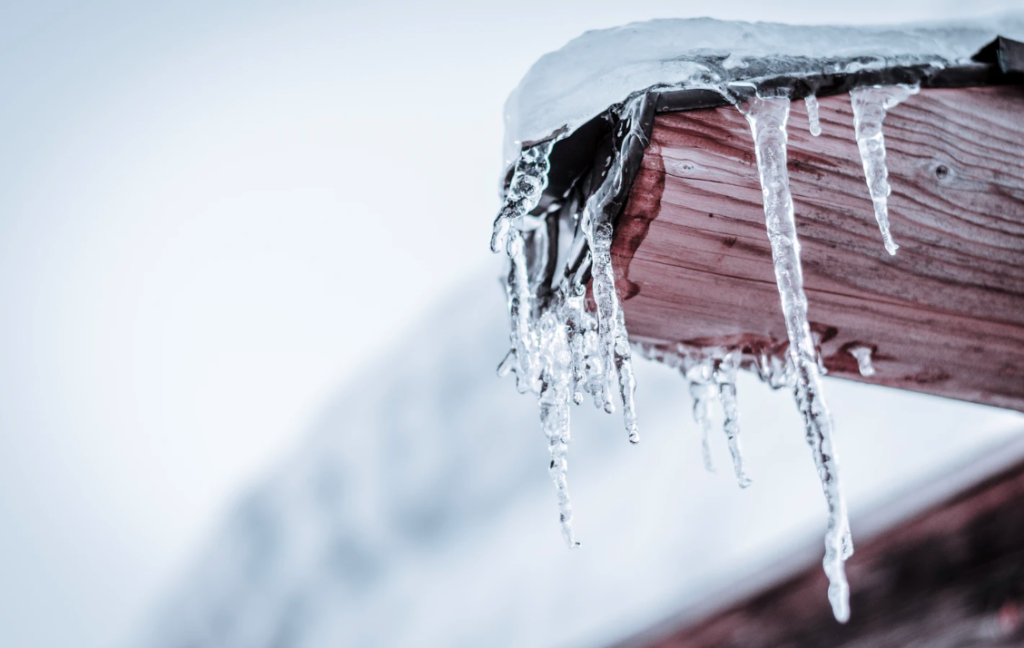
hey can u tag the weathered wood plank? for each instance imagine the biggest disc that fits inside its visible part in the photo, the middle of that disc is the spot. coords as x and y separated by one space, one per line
951 576
945 316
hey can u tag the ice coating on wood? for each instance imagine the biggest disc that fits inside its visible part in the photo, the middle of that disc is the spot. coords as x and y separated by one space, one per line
869 106
767 118
725 379
863 356
813 123
566 88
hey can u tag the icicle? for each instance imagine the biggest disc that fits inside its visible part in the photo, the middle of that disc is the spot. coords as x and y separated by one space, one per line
519 307
627 382
559 350
767 118
507 363
775 371
554 411
600 240
576 327
699 376
529 180
725 378
863 355
869 106
613 341
813 124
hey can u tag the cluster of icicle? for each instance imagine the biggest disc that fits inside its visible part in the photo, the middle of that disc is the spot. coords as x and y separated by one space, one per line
562 351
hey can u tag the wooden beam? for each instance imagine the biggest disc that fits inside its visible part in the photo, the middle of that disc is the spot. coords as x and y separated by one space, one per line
944 316
951 576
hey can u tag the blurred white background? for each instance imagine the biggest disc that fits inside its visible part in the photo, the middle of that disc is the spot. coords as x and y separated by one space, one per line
211 216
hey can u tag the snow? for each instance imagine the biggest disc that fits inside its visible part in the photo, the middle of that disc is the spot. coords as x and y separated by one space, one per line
566 88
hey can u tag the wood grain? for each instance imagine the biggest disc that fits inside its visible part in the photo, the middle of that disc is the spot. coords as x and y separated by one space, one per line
945 316
952 576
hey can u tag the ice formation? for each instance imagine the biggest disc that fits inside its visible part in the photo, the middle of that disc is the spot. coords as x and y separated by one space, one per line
725 379
767 117
700 391
562 348
813 124
869 106
863 356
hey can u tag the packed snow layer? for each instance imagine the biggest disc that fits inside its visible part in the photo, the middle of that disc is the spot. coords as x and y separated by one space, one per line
418 512
566 88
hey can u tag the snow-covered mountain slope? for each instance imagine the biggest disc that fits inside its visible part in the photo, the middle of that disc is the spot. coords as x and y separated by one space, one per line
419 512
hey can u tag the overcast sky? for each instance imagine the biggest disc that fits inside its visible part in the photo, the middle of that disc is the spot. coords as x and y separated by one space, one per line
212 216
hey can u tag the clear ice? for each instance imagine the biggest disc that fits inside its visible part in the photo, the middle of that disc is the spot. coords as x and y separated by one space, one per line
863 356
767 118
869 106
529 180
725 379
563 351
813 123
699 378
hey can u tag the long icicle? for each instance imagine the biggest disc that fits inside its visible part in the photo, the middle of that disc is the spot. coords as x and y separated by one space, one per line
555 395
767 118
612 337
869 106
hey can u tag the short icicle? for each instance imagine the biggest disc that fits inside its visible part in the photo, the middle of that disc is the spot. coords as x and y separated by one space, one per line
576 328
767 118
869 106
863 356
519 308
725 379
699 378
813 123
529 179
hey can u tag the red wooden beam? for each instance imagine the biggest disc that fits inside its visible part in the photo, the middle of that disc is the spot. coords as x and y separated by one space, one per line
950 576
945 316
